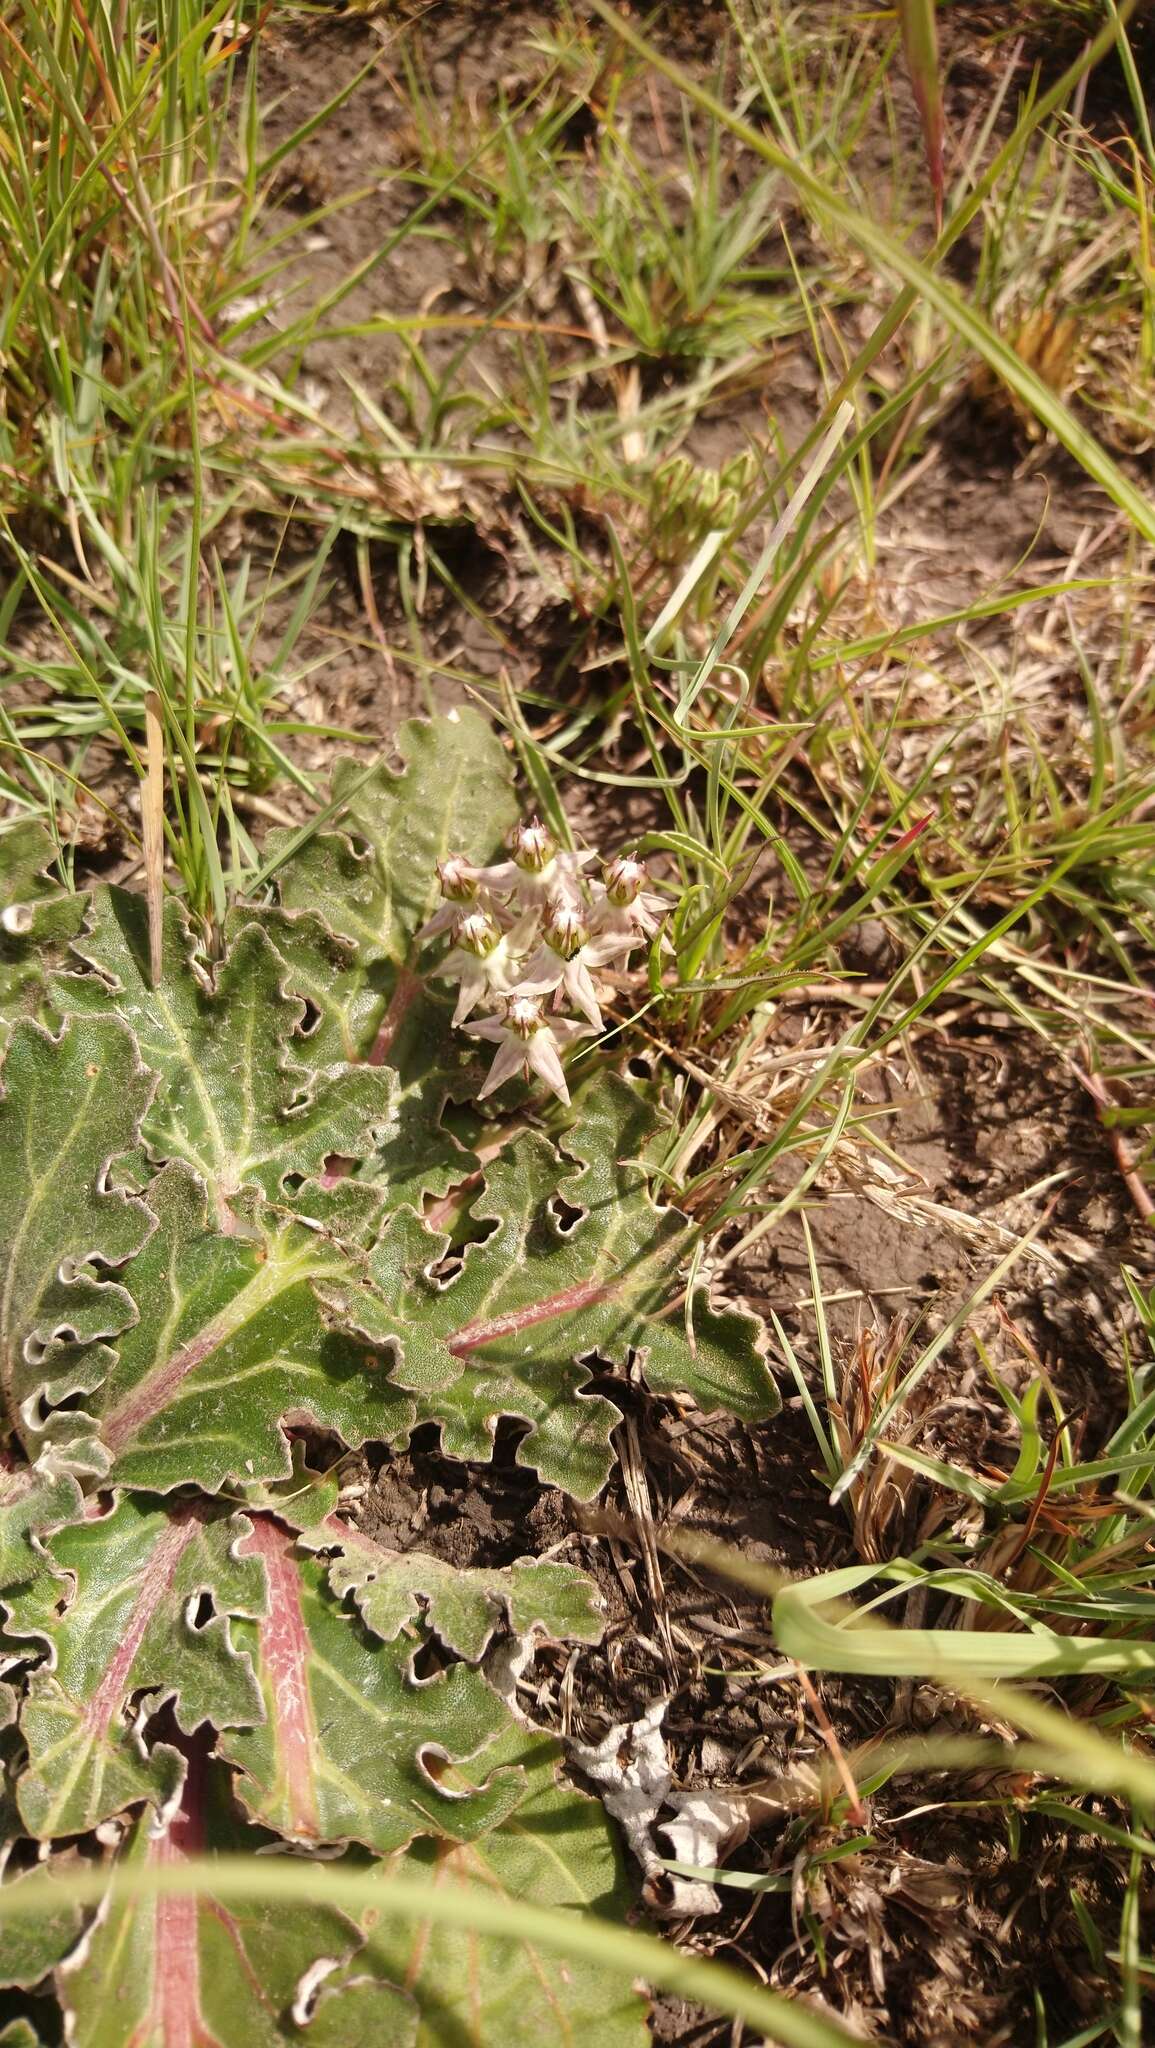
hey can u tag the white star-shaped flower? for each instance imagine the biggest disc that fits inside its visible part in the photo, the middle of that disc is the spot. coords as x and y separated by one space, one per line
540 872
526 1044
460 881
484 960
565 958
622 903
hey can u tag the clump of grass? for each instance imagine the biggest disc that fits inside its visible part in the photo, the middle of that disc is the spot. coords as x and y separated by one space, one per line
115 239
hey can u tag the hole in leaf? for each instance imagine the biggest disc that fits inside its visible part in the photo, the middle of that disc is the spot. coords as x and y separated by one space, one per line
321 1447
336 1168
640 1067
508 1432
161 1726
463 1230
201 1611
429 1660
311 1018
68 1404
565 1216
310 1987
460 1120
361 846
293 1182
444 1271
439 1768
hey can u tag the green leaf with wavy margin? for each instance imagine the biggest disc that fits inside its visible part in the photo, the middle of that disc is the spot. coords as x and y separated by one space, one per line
374 881
234 1102
29 1950
557 1850
32 1502
579 1264
70 1105
37 916
463 1607
200 1973
352 900
131 1637
353 1746
229 1347
411 1032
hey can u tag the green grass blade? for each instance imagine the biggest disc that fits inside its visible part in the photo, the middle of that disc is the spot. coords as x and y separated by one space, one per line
269 1879
920 41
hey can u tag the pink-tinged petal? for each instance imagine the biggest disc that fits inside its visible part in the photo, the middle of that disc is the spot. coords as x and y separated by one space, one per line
502 879
607 946
521 935
533 891
542 1056
609 918
581 992
566 890
510 1061
573 863
440 921
567 1030
542 972
451 967
634 921
494 1028
474 985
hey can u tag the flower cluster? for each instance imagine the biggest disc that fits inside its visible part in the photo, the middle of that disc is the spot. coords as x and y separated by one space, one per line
529 935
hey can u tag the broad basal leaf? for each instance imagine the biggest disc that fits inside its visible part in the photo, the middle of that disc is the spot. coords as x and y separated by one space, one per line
579 1263
233 1100
408 1029
30 1949
70 1105
31 1503
352 902
201 1972
37 916
557 1850
353 1747
374 881
229 1346
463 1608
147 1621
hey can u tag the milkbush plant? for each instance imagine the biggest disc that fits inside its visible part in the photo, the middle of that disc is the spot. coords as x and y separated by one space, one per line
240 1238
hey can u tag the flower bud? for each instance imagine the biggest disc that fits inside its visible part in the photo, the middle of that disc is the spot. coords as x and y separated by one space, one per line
523 1015
458 879
623 878
564 930
531 846
477 933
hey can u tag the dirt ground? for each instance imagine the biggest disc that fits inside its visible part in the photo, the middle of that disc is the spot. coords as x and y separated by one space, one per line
936 1932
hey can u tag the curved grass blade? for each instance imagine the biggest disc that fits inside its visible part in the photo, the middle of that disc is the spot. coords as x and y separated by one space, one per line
273 1881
